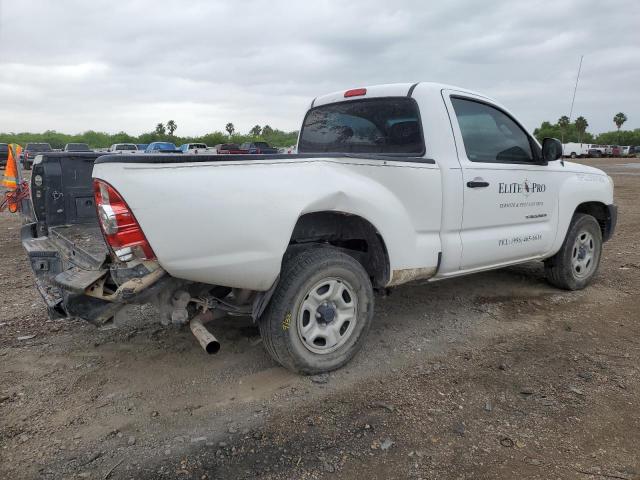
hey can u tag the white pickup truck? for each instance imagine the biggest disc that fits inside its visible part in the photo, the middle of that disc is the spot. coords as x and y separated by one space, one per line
392 183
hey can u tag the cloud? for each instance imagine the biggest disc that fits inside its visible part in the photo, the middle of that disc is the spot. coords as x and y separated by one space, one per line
104 65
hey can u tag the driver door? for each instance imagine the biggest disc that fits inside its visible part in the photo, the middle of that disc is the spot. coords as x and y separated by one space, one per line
510 198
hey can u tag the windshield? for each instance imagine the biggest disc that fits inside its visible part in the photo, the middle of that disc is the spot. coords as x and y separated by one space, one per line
389 125
38 147
261 145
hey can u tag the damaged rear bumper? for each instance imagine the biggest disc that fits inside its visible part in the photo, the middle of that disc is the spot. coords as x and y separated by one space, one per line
79 282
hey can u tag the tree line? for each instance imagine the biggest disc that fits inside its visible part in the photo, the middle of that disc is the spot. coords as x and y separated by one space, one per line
563 129
163 132
576 131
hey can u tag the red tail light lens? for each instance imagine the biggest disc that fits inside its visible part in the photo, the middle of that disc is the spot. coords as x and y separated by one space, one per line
120 228
356 92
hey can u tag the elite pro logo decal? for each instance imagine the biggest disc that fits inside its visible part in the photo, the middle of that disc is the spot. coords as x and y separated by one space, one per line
525 188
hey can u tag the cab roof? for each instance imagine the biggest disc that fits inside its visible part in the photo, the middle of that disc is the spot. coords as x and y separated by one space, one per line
386 90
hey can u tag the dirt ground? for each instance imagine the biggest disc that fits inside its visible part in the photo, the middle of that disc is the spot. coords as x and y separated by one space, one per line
496 375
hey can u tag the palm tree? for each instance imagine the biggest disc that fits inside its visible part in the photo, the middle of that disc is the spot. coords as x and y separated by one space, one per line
256 131
619 119
160 130
230 128
171 126
563 123
581 126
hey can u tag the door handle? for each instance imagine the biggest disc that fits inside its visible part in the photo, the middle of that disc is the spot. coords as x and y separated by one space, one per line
477 184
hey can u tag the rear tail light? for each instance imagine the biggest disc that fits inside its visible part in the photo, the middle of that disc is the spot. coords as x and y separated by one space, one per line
120 228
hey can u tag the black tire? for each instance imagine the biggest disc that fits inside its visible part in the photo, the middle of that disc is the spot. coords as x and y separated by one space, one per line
283 321
562 269
573 155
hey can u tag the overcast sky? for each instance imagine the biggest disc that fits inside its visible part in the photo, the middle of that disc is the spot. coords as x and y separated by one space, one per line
114 65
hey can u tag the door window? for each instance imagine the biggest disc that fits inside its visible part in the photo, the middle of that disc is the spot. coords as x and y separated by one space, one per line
489 135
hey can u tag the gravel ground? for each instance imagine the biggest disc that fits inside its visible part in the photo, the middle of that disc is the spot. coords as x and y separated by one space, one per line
495 375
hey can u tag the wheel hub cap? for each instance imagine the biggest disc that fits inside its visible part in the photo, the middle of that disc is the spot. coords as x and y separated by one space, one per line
327 316
582 255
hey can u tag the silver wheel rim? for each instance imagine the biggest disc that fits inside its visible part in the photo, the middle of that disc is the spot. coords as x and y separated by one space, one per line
327 316
583 254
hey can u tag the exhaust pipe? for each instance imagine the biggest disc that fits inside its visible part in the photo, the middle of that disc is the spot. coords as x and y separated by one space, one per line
210 344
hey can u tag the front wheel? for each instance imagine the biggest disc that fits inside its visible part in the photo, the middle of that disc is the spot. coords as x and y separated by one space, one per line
320 311
577 262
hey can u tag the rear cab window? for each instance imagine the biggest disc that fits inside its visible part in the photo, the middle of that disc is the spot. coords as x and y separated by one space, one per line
386 125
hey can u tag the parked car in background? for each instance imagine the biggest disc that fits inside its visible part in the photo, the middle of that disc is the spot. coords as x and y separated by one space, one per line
124 148
193 148
161 147
77 147
142 146
612 151
288 150
30 151
229 149
575 150
626 150
4 154
595 153
258 148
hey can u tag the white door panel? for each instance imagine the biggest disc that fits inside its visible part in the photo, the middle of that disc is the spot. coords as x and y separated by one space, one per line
513 218
510 202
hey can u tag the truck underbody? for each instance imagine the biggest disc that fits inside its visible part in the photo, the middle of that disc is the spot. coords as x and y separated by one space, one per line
75 279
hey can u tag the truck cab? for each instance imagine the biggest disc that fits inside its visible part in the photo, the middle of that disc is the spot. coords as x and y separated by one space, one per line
259 148
31 150
194 148
123 148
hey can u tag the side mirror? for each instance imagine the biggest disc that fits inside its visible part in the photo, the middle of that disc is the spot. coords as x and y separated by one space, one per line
551 149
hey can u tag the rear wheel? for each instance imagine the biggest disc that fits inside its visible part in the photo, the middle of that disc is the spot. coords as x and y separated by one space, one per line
320 311
577 262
